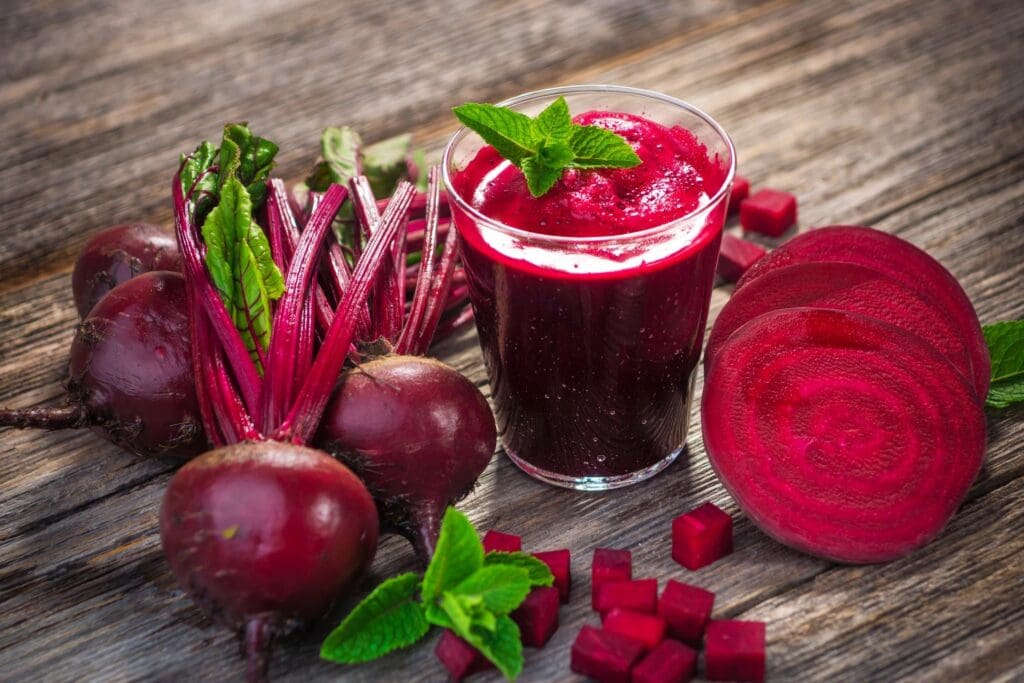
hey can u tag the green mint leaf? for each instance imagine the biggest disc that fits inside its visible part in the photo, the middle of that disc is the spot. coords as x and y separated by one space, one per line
384 164
502 645
436 615
457 555
509 132
539 176
459 612
1005 342
389 618
538 573
501 588
248 158
554 123
596 147
340 158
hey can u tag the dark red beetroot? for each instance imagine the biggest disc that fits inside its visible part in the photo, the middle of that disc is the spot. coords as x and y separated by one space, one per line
769 212
640 595
734 651
130 373
497 541
899 260
537 616
265 535
118 254
736 256
417 432
840 435
670 662
560 564
459 657
647 629
701 536
605 657
686 609
843 287
609 565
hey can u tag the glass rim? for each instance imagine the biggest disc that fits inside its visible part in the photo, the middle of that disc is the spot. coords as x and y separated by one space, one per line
522 233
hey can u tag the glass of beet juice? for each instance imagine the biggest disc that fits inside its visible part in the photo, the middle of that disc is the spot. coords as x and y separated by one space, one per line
591 301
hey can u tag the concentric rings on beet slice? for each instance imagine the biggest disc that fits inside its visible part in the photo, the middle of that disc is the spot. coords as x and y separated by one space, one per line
845 287
841 435
898 259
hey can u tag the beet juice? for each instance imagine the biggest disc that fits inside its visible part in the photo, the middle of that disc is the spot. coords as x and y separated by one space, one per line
591 301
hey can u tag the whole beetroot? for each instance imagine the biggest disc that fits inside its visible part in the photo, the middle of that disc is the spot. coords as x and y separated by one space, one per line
118 254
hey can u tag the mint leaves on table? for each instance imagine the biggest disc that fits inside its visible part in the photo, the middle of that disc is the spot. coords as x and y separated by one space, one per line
1005 342
543 147
463 589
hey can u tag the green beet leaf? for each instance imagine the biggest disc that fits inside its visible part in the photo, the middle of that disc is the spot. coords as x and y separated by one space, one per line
388 619
384 164
1005 342
248 158
340 158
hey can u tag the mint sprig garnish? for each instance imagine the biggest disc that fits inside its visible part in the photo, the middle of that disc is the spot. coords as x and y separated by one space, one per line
543 147
1005 342
463 589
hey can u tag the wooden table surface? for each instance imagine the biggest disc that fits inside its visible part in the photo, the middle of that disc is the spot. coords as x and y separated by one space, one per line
908 116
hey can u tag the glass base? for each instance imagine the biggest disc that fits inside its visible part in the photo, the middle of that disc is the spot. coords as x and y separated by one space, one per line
594 483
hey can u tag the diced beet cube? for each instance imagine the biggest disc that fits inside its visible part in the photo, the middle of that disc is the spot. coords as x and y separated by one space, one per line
686 609
736 256
769 212
740 191
648 629
560 563
496 541
701 536
605 657
640 596
459 657
670 662
734 651
609 565
537 616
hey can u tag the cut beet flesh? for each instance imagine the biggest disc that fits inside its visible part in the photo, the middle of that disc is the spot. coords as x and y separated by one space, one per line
740 191
769 212
497 541
896 258
560 564
537 616
701 536
459 657
640 595
670 662
734 651
841 435
605 657
686 609
646 628
609 565
736 256
844 287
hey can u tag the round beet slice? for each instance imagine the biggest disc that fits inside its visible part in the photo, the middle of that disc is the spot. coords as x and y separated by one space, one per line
898 259
841 435
844 287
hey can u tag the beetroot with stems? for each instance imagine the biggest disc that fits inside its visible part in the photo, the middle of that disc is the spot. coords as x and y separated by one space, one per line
701 536
843 287
560 564
734 651
897 259
640 595
118 254
841 435
609 564
670 662
606 657
647 629
497 541
130 373
686 609
537 616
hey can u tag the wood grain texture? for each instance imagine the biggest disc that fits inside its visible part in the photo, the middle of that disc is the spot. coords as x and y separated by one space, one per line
906 115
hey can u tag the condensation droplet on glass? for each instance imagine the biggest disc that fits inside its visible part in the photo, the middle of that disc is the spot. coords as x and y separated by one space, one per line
600 458
595 439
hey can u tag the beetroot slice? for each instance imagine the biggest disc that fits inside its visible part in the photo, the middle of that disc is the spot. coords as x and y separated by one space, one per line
841 435
844 287
898 259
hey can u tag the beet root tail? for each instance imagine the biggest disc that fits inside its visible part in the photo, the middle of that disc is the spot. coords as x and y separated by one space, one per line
66 417
259 642
425 522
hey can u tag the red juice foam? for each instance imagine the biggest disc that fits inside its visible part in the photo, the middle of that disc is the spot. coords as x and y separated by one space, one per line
591 301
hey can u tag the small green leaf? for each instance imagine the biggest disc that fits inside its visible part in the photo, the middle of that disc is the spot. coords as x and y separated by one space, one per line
389 618
509 132
437 616
1005 342
340 158
457 555
554 123
538 573
539 176
502 645
198 166
384 164
502 588
596 147
248 158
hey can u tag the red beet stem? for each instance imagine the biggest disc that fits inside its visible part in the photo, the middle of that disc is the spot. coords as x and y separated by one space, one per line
205 295
224 417
447 327
421 293
292 334
259 641
302 420
442 282
65 417
388 293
